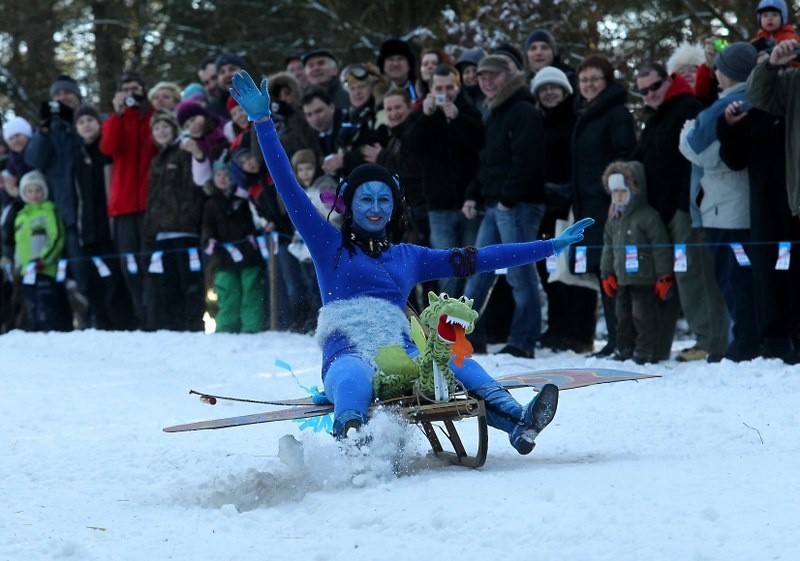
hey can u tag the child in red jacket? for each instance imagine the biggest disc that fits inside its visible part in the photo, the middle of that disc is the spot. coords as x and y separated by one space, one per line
773 26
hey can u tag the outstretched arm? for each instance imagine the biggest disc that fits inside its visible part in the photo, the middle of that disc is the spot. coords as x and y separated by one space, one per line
305 217
510 255
443 263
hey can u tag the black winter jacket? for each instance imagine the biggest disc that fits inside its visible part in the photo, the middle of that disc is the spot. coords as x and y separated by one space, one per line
668 172
227 219
512 163
174 202
89 170
603 134
447 152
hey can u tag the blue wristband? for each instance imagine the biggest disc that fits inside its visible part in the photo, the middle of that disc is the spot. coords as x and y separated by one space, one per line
261 115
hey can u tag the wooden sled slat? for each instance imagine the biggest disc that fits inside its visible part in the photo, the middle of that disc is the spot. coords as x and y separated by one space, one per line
448 413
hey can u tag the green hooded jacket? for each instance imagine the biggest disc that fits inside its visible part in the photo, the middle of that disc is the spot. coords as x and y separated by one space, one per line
38 233
639 225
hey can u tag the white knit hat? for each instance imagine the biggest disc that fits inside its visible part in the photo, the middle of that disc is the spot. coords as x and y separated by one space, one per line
551 75
34 177
17 125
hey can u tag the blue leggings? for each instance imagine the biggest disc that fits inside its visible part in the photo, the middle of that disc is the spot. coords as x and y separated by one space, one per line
348 381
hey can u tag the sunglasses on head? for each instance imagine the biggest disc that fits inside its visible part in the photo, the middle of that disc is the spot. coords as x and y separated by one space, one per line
654 87
357 71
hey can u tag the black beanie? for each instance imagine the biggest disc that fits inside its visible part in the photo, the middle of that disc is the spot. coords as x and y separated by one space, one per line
67 83
229 58
541 36
369 172
132 76
87 110
511 52
392 47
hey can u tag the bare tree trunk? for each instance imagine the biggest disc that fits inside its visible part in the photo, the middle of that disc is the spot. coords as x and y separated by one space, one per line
110 30
32 63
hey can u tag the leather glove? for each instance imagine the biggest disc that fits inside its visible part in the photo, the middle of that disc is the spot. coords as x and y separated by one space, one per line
664 287
45 114
39 264
253 99
571 235
51 109
610 285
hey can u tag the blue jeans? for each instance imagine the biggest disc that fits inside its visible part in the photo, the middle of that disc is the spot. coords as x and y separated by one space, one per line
450 228
519 224
736 283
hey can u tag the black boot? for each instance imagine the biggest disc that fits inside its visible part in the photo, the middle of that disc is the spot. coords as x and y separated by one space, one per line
523 424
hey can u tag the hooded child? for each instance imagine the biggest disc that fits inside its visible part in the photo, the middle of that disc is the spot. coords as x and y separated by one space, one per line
636 263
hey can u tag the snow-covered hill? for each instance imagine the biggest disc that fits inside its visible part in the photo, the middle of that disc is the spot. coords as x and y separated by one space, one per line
701 464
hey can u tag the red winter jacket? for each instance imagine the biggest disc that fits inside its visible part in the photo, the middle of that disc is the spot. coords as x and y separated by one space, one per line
764 40
127 138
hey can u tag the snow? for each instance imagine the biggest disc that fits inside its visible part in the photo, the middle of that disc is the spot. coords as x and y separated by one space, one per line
700 464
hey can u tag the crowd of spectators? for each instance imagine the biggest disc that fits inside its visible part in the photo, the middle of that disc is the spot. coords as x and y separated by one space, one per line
161 210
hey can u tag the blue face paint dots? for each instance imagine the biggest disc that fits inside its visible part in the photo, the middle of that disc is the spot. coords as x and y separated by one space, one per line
372 206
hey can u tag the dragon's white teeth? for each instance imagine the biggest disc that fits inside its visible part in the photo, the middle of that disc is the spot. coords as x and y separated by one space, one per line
462 322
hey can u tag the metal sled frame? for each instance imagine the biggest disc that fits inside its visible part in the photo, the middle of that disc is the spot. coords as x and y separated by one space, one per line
458 408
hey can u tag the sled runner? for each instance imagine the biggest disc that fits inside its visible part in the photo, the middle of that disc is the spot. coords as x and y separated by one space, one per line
445 414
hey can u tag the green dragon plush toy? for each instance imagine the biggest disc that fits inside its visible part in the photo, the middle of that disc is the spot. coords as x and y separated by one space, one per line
448 321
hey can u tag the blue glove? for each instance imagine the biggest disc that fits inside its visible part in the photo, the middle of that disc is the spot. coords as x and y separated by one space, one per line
571 235
254 100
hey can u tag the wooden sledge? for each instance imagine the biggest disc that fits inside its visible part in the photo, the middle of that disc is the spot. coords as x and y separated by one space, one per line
445 414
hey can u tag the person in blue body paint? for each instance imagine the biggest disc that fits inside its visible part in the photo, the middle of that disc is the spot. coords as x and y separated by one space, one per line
365 280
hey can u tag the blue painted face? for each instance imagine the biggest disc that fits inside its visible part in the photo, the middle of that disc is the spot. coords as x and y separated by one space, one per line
373 203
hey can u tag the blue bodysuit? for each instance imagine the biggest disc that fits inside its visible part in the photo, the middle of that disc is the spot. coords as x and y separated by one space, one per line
364 297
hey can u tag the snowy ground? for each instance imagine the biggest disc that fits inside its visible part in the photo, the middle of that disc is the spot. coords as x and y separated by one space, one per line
701 464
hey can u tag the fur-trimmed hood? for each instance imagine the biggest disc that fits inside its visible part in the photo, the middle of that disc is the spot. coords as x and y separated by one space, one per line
514 83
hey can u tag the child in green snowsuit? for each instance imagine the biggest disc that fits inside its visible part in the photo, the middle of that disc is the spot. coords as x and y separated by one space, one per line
39 237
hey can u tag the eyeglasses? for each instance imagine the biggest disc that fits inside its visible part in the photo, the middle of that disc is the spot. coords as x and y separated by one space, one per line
591 79
654 87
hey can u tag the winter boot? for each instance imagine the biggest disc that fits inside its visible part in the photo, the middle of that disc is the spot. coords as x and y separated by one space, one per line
347 423
523 424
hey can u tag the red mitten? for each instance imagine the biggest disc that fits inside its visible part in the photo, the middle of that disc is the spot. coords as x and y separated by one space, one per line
664 287
610 285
